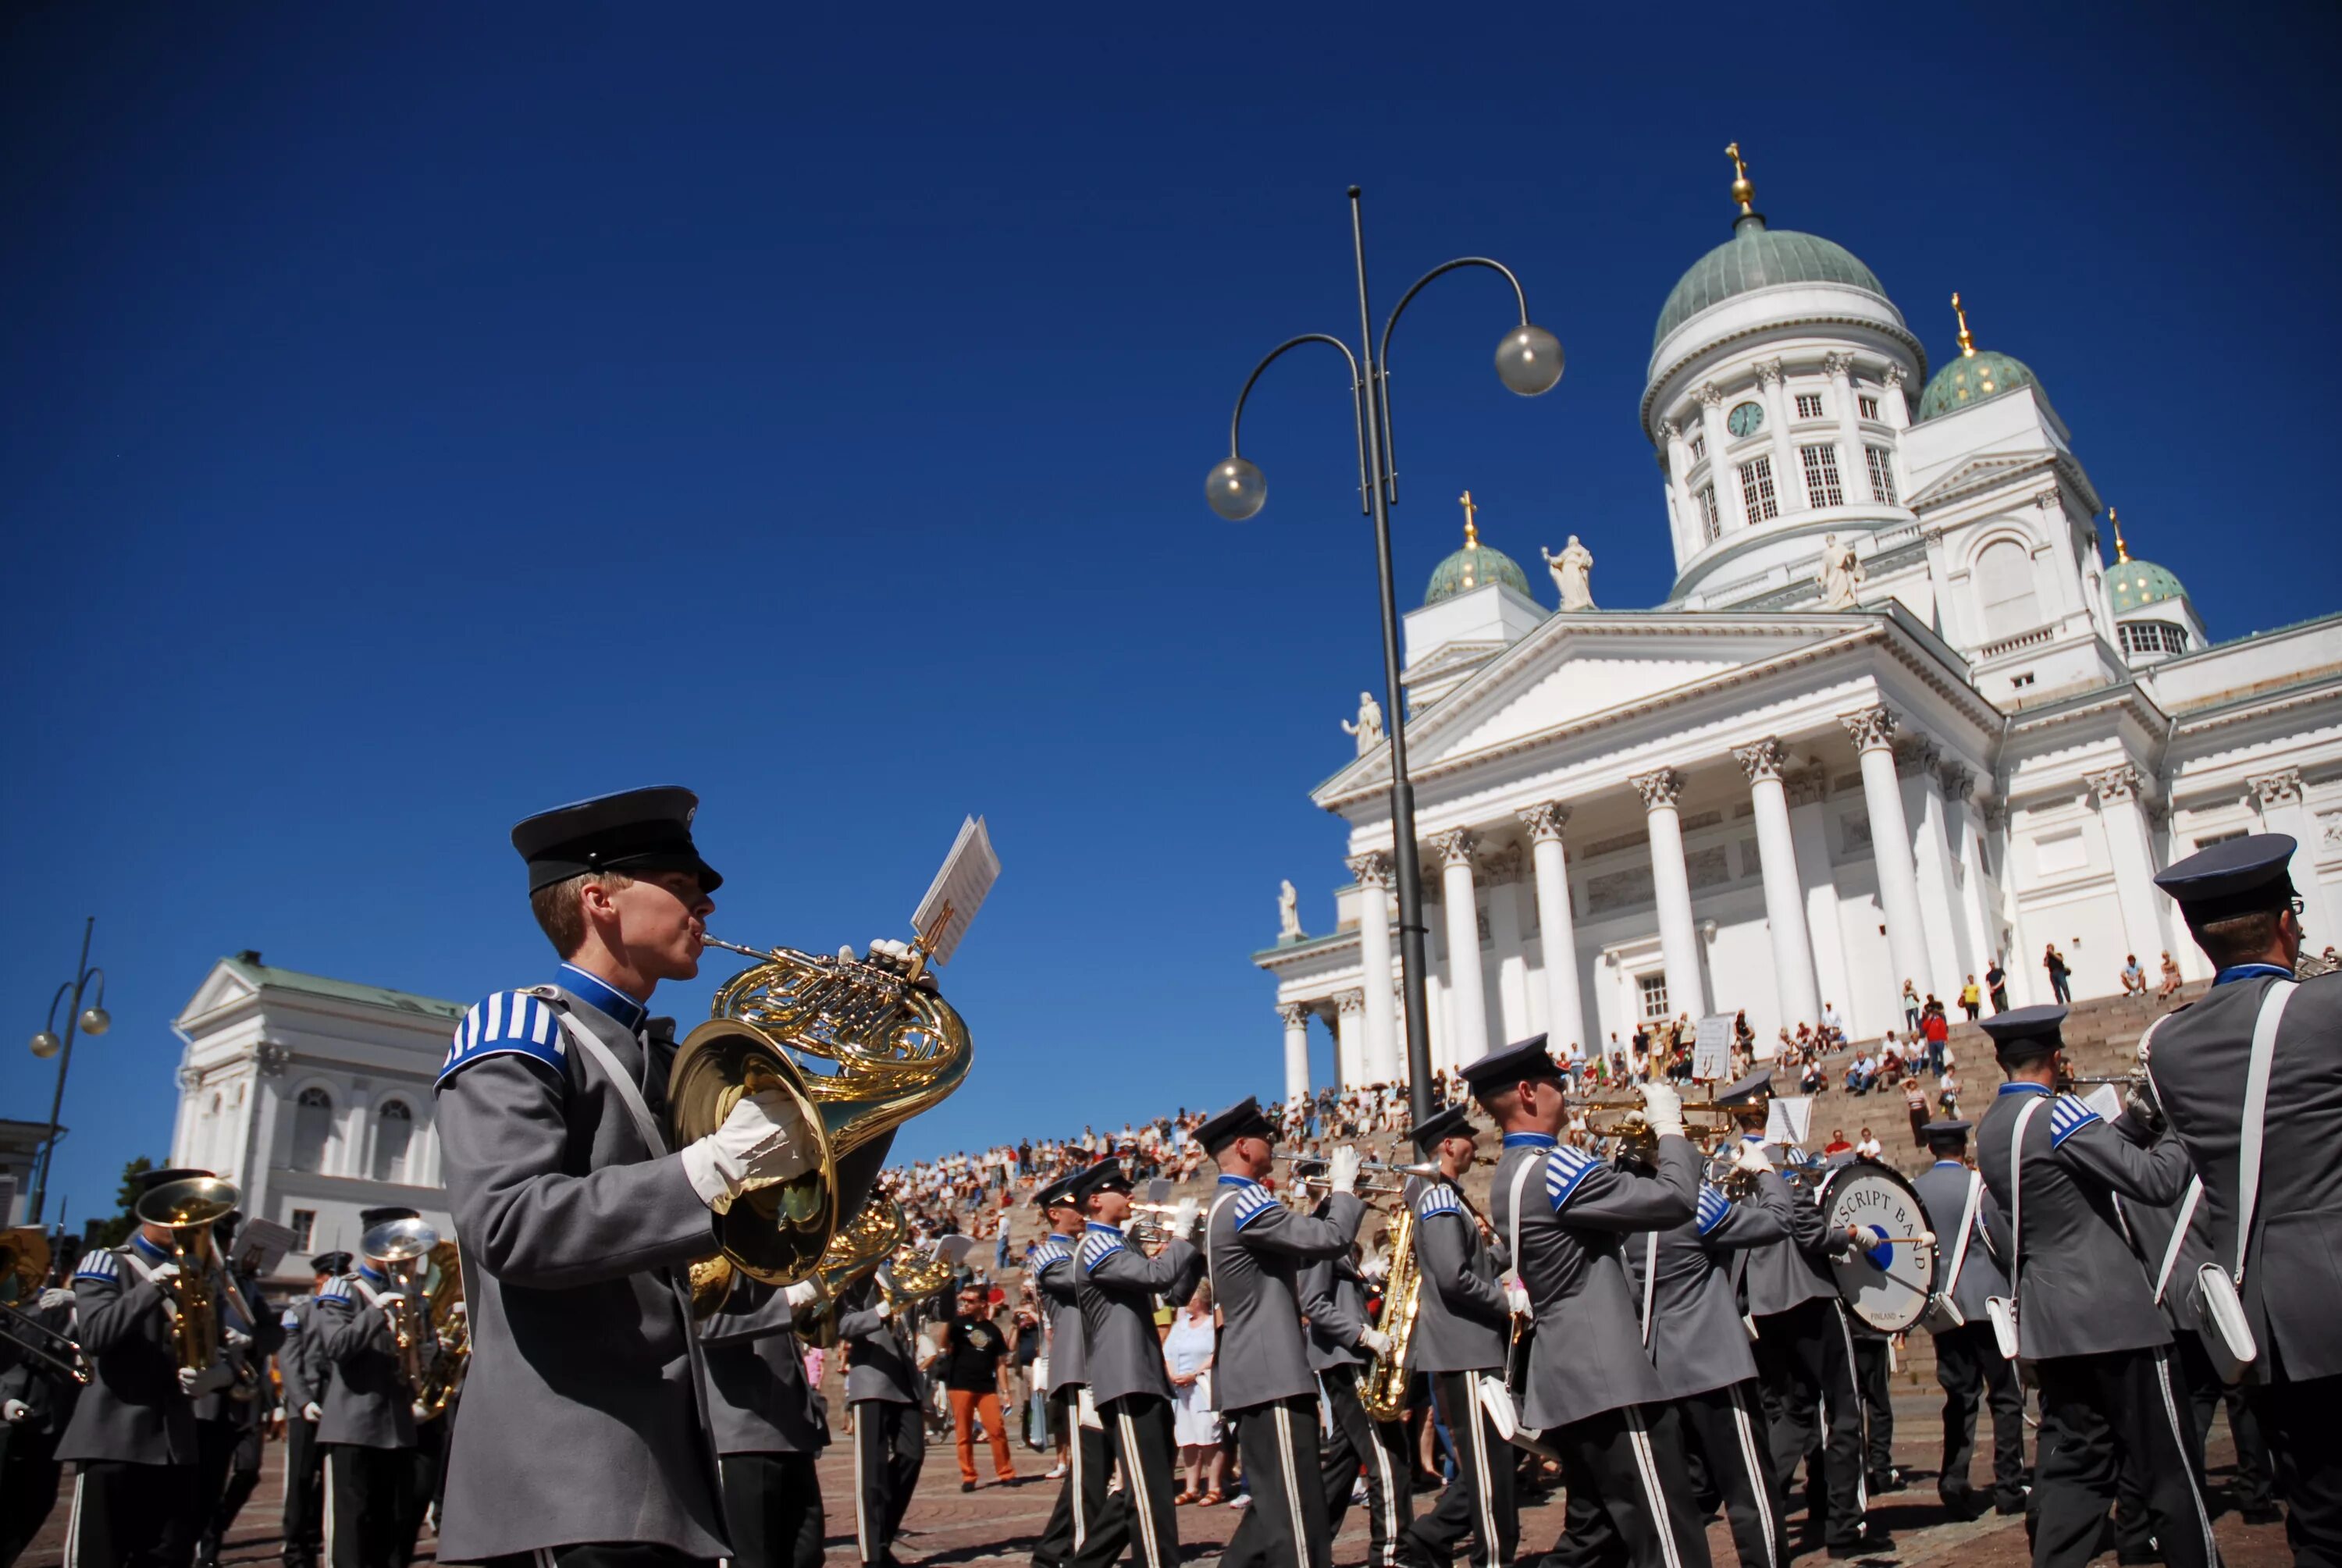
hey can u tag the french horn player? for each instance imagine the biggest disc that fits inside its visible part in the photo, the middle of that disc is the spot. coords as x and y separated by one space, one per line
374 1328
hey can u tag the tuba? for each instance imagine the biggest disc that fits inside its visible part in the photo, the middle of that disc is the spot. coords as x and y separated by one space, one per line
188 1208
404 1247
451 1325
24 1270
894 1049
861 1247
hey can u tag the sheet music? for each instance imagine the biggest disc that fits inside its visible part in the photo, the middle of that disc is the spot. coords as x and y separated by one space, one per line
958 890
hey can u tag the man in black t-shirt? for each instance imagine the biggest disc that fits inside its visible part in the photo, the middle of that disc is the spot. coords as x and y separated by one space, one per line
974 1348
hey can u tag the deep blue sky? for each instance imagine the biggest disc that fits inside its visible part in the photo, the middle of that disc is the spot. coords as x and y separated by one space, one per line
419 415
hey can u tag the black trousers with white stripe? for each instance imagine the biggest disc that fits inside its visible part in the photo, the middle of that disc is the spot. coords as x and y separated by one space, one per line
1138 1434
1971 1371
2095 1411
305 1492
1804 1361
1479 1502
772 1502
1285 1525
890 1448
2298 1418
1380 1447
1630 1491
1081 1500
371 1518
1727 1426
129 1515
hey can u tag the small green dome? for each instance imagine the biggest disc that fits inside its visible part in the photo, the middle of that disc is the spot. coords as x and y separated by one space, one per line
1757 257
2134 585
1972 378
1473 566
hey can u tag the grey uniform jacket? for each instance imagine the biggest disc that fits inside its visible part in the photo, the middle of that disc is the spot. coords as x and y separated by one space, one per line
1943 1190
48 1394
582 1416
368 1405
755 1376
1574 1211
1461 1321
2293 1269
1254 1247
304 1374
133 1409
1333 1299
2079 1290
1784 1274
880 1362
1051 1266
2148 1227
1695 1340
1117 1287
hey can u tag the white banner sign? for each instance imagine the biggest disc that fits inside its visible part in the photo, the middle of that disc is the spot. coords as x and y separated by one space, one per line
1711 1051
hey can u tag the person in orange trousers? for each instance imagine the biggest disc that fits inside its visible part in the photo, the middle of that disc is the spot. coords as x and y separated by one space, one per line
974 1349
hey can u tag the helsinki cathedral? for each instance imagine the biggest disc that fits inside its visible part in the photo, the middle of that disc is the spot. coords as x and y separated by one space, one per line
1910 705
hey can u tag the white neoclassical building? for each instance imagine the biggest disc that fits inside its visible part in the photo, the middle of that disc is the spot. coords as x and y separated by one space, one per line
1898 715
313 1095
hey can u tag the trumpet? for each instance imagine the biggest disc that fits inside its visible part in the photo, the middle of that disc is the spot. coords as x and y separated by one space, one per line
24 1270
1146 1229
1376 1178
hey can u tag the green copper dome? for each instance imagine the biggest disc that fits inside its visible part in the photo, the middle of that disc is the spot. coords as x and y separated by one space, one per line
1972 378
1473 566
2134 585
1757 257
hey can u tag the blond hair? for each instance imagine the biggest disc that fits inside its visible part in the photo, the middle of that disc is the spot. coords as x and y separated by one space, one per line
560 911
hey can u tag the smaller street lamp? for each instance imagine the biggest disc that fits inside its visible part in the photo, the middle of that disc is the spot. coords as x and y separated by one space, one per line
93 1020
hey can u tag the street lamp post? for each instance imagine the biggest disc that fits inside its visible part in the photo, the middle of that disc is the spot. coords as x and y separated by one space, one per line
93 1021
1529 362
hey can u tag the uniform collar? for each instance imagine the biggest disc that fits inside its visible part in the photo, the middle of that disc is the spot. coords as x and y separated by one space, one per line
1091 1227
1229 1180
598 993
2025 1089
372 1273
1531 1141
1955 1164
138 1239
2251 971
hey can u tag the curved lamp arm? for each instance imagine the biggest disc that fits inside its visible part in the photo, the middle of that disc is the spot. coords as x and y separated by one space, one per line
1357 389
62 988
1381 391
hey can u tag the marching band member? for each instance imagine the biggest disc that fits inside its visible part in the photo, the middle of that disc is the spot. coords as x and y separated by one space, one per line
1804 1352
227 1420
1128 1386
1592 1391
1254 1247
1969 1367
37 1403
890 1433
1341 1339
1081 1500
2086 1315
132 1439
586 1435
768 1424
306 1376
1681 1280
2243 911
1463 1326
368 1429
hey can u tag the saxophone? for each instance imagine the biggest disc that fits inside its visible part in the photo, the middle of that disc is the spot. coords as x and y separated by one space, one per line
1383 1390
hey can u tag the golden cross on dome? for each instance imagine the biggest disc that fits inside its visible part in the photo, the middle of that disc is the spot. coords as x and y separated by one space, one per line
1471 528
1743 190
1967 342
2122 551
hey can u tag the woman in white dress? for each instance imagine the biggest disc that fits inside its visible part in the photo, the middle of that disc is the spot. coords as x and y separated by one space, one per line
1194 1423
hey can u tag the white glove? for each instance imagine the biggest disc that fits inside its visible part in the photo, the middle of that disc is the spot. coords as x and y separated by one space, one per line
805 1292
762 1142
1663 1110
55 1296
1342 1169
1376 1340
196 1385
1183 1218
13 1411
1752 1157
1376 1268
886 1309
313 1411
887 948
233 1336
1517 1299
165 1272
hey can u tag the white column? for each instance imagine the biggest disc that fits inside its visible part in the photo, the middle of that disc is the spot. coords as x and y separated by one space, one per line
2284 811
1296 1048
353 1161
1503 870
260 1139
1873 733
1349 1041
1788 478
1688 541
2124 817
1467 1001
1809 834
1975 918
1931 849
1671 887
1731 513
1853 475
182 1129
1784 902
1381 1058
2009 936
1564 1010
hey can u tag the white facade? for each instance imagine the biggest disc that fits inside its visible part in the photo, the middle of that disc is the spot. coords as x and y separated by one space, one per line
1767 794
313 1095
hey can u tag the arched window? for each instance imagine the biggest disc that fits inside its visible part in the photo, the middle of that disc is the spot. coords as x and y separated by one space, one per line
394 1129
2004 578
313 1123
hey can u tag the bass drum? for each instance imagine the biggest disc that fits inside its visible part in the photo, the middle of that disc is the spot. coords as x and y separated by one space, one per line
1888 1283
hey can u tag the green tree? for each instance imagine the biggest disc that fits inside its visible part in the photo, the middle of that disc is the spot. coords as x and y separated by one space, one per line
112 1232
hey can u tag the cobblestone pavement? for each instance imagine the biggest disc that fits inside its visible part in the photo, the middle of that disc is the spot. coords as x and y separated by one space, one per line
997 1524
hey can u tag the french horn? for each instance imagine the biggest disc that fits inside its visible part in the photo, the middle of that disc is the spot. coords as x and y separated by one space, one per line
893 1048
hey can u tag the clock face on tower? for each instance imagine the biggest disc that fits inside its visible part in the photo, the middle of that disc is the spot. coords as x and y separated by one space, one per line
1747 419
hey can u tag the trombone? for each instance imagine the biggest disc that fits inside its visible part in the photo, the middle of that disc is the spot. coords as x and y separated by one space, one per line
1376 1178
24 1269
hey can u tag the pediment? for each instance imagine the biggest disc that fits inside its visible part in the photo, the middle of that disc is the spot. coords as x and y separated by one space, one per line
1979 473
223 987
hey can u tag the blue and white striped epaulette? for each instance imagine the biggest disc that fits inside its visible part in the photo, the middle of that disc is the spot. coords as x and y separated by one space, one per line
1253 1202
1564 1168
506 1024
1437 1198
1713 1206
2069 1115
1046 1255
102 1264
337 1289
1098 1246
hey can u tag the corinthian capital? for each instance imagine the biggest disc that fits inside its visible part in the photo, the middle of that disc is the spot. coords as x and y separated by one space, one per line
1350 1002
1455 846
1959 784
1546 821
1770 373
1871 730
2282 787
1372 869
1709 396
1892 376
1915 754
1760 760
1659 788
2114 784
1294 1015
1837 365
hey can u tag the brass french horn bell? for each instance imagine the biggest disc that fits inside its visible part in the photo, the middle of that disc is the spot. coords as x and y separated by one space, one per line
189 1201
399 1241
